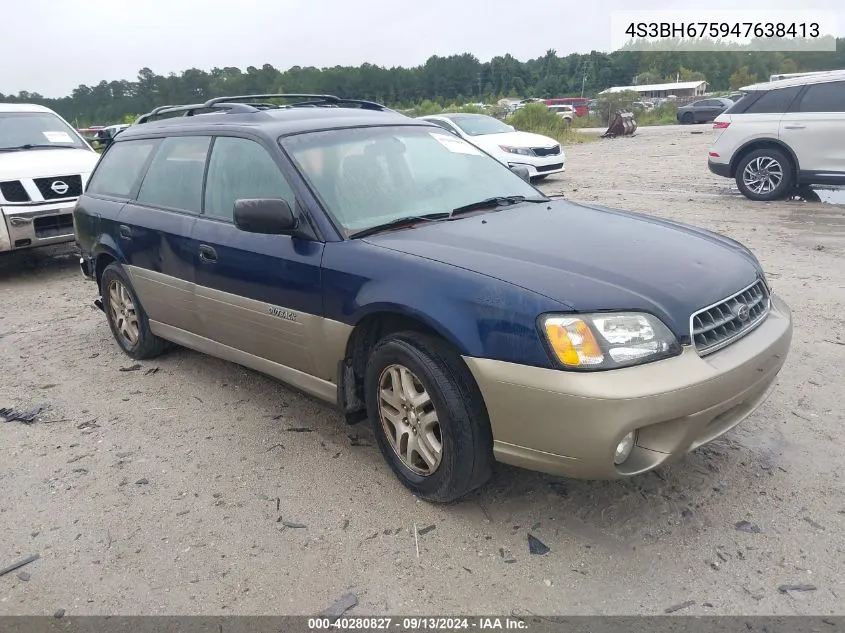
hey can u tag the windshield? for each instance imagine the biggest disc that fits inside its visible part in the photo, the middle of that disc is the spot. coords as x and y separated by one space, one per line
369 176
18 129
478 124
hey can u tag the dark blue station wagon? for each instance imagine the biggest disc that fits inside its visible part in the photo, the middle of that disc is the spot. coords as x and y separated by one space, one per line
407 277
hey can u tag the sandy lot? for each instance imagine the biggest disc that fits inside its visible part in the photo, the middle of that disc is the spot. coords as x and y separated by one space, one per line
159 491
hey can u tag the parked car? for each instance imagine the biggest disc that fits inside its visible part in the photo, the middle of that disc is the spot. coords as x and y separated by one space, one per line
44 165
541 155
703 111
403 275
565 112
783 135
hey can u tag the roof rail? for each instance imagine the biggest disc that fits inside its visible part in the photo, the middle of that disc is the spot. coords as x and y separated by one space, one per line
311 100
190 110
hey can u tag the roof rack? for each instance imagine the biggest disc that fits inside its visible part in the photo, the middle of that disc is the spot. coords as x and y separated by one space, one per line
311 100
232 105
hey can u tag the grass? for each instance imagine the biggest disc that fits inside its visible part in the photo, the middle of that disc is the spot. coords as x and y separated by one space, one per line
537 118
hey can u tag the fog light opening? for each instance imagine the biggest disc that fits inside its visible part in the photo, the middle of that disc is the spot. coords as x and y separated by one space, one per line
625 448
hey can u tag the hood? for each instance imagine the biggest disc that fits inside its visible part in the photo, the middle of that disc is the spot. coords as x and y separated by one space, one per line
513 139
590 258
40 163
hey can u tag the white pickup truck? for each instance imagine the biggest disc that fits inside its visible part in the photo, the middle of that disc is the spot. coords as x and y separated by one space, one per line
566 112
44 167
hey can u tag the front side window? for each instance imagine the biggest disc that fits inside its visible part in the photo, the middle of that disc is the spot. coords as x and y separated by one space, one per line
239 169
120 168
174 179
479 124
825 97
369 176
36 130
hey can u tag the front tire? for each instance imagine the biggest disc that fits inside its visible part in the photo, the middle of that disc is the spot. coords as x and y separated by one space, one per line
764 174
126 316
687 118
428 417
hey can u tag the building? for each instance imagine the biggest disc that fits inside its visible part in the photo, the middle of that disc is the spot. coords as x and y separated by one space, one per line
676 89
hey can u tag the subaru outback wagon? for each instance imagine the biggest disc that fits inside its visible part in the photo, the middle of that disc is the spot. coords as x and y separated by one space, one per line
407 277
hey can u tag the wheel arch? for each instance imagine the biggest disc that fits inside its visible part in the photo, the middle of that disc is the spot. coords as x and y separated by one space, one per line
764 143
372 326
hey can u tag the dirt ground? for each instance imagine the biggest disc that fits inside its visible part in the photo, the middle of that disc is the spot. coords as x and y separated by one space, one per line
161 490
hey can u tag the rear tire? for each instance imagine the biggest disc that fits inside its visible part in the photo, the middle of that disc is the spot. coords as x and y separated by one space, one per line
443 448
765 174
126 316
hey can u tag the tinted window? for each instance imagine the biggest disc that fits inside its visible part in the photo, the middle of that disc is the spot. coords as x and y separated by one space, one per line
706 103
774 101
120 168
174 179
238 169
826 97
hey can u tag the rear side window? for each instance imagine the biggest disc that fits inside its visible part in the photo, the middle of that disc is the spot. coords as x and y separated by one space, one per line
240 169
826 97
120 168
174 179
774 101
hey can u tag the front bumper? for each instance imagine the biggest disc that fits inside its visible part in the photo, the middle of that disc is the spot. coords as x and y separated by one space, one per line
569 424
36 225
538 166
720 169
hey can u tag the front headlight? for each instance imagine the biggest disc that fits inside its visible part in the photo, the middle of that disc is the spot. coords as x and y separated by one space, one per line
608 340
522 151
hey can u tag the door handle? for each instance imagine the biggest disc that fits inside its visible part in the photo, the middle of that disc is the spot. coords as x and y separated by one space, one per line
794 127
208 254
125 232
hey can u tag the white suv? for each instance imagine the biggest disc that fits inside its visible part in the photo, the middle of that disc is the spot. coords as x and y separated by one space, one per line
782 135
44 167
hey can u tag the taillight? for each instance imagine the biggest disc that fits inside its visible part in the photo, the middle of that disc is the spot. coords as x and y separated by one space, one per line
721 125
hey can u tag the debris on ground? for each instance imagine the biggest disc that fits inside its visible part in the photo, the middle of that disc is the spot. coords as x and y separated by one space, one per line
26 416
788 588
340 606
813 523
151 371
291 524
24 576
426 529
59 614
130 368
143 481
299 429
19 564
536 546
745 526
679 607
357 440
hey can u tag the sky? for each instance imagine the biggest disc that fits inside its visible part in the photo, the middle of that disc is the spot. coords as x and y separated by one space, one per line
52 46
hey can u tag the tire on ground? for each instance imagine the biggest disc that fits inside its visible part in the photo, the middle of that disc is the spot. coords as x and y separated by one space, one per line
148 345
467 441
786 167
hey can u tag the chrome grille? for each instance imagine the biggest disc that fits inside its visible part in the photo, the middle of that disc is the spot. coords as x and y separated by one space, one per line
720 325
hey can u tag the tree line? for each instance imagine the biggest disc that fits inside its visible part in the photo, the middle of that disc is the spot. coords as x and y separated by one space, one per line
453 79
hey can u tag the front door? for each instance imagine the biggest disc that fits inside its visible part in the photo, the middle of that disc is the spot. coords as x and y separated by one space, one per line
815 130
259 295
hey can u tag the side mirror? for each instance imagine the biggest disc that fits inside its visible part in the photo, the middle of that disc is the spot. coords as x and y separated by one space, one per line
522 172
512 128
268 216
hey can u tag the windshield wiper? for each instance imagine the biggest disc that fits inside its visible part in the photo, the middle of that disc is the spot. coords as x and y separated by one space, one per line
401 222
34 146
498 201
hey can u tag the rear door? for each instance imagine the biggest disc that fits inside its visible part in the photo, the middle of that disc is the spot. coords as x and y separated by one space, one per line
257 294
154 230
815 130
